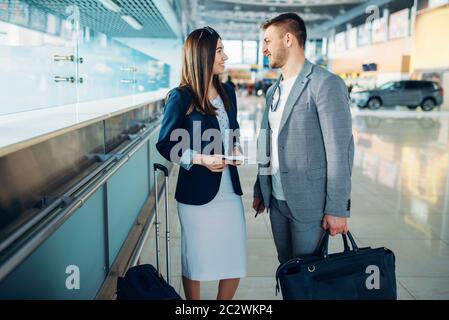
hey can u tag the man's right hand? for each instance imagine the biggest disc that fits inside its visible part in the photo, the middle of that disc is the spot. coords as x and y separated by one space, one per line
258 203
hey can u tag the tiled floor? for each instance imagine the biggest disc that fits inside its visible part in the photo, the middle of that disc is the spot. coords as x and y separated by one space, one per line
400 199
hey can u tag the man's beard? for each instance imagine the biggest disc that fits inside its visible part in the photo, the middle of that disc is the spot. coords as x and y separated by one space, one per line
274 65
279 61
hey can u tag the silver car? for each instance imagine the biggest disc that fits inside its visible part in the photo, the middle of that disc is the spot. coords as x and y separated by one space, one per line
410 93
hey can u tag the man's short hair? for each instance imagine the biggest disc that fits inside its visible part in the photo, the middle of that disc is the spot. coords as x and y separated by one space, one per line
290 22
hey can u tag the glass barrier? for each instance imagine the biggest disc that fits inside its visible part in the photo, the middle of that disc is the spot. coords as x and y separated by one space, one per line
50 60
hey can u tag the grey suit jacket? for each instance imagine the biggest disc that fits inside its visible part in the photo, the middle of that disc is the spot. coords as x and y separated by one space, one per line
315 145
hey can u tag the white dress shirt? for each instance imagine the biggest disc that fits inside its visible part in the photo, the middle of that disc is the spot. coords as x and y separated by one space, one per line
274 119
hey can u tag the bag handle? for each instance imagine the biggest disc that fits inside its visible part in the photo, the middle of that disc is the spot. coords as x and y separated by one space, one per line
324 247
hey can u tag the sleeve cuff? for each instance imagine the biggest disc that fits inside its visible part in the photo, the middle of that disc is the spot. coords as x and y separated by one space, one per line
338 208
186 160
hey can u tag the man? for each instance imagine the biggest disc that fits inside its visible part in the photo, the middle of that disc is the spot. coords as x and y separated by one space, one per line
305 146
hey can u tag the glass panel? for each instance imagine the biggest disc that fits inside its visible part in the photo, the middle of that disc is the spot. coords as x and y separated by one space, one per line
30 43
49 60
146 73
107 68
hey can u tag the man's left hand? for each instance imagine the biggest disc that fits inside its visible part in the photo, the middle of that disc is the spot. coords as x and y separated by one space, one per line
336 225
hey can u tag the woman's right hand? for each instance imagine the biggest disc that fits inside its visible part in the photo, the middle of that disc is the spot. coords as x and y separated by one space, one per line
214 163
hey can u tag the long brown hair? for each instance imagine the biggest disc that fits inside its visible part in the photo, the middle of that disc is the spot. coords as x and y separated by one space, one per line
197 66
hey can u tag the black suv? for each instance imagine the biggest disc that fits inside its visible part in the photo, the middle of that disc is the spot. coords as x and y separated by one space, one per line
410 93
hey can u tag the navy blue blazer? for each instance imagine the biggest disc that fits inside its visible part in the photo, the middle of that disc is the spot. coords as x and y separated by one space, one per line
198 185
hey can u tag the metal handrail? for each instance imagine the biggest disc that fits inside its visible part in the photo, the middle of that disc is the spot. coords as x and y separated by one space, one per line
19 232
44 232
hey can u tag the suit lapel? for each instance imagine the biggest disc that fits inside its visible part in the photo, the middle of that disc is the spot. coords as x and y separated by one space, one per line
295 93
230 110
231 115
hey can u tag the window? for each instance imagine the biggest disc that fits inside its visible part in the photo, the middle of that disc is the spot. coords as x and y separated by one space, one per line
233 49
398 85
435 86
387 85
240 52
411 85
418 85
427 85
250 52
392 85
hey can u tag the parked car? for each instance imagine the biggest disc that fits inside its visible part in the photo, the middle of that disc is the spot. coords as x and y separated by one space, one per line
410 93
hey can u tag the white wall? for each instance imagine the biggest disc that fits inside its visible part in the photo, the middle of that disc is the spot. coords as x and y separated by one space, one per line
167 50
383 78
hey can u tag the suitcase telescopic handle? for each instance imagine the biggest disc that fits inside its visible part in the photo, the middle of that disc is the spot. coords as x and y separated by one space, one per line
324 247
158 166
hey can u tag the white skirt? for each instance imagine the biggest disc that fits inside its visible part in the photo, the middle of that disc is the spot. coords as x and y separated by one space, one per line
213 236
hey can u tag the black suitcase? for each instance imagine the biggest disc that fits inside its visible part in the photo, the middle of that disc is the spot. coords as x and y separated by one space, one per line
145 282
357 274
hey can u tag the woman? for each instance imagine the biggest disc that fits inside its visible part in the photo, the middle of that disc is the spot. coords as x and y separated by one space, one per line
208 191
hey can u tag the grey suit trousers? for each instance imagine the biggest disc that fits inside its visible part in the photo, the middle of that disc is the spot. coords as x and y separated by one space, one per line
292 237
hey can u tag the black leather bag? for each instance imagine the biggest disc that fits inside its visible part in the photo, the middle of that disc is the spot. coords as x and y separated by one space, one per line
354 274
